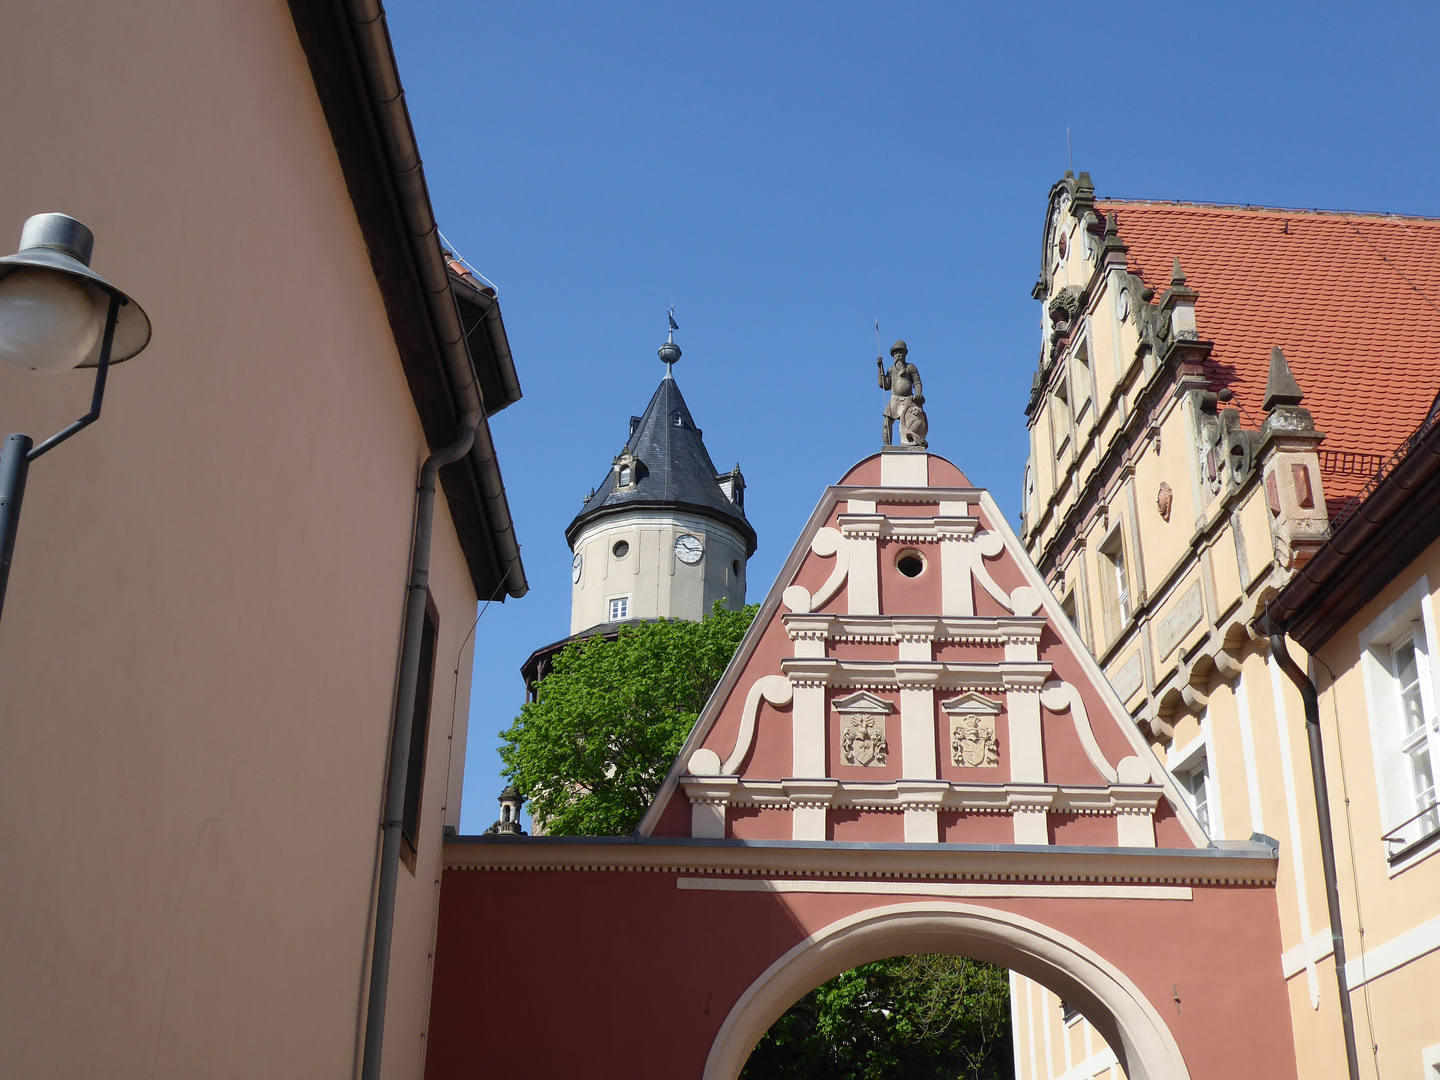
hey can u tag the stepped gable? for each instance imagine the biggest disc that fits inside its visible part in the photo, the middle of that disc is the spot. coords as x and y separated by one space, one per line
674 469
1352 299
911 679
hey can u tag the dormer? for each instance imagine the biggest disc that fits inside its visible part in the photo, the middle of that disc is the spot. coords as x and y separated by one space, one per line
628 469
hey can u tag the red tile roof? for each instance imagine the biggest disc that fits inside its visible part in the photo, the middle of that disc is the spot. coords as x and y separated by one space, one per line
1353 299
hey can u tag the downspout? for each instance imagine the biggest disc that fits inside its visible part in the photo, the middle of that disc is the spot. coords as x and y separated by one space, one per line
387 99
400 742
1302 683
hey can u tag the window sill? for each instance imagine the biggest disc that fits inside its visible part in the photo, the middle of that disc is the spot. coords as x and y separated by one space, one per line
1413 853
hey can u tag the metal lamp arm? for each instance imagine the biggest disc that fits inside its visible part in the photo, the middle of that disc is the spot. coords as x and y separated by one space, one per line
101 370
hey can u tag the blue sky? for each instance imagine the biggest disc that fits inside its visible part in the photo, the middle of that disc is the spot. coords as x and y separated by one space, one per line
787 173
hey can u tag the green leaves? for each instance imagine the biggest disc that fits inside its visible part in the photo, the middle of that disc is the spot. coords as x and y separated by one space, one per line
930 1017
591 751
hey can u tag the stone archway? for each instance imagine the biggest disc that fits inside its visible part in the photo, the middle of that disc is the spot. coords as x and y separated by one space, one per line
1107 998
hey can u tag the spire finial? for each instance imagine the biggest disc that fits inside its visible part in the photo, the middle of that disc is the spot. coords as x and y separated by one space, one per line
670 352
1177 275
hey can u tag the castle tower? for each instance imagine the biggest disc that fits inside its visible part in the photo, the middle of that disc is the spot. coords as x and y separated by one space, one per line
665 534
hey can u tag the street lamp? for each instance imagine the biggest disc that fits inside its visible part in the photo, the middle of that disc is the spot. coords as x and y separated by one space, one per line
56 314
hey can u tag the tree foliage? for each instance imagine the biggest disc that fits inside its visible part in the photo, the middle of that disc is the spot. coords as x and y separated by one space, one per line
591 751
913 1017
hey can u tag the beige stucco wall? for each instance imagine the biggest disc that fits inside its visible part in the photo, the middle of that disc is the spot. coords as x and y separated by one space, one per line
1047 1047
199 645
655 582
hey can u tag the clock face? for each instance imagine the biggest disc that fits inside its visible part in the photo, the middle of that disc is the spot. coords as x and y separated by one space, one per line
688 549
575 566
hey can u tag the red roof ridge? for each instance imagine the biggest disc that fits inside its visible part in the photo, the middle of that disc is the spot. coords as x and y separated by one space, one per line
1251 208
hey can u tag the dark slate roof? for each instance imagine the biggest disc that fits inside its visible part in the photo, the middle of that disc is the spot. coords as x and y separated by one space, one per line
676 471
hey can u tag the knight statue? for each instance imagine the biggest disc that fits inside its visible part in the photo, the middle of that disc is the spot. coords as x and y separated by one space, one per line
907 399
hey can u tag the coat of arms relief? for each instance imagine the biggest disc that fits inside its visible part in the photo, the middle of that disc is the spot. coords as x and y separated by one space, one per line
973 742
862 729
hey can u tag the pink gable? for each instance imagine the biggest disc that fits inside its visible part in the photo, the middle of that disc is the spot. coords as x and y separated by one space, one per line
911 679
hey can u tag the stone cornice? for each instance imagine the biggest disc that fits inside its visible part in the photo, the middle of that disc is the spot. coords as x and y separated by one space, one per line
892 629
1014 675
1235 864
897 795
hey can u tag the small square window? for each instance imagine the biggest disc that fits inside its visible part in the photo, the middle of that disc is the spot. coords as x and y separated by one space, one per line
619 608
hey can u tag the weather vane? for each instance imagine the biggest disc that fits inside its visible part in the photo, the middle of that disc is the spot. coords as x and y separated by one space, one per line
670 352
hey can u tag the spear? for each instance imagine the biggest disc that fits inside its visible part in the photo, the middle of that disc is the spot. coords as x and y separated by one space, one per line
879 357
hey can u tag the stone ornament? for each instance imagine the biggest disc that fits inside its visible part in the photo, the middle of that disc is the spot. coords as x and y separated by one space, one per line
973 742
907 399
862 740
862 729
1164 499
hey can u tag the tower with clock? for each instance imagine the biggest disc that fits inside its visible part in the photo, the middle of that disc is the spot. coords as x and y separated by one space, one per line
665 534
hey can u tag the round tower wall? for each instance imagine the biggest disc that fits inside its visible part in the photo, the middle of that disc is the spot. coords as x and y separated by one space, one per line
650 577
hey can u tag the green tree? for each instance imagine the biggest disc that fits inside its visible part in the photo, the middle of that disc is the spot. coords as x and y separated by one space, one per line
914 1017
590 752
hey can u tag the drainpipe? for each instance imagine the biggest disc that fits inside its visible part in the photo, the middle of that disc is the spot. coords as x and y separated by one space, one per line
400 741
1302 682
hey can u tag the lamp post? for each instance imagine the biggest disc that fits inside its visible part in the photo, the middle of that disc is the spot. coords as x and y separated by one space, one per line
56 314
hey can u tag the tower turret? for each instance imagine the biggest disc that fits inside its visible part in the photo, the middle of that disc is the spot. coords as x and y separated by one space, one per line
664 535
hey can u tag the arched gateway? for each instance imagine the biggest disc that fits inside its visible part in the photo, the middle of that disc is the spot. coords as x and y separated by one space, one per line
911 752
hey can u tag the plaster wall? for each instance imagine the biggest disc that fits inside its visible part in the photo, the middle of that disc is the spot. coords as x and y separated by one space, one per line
200 640
657 583
1046 1044
653 970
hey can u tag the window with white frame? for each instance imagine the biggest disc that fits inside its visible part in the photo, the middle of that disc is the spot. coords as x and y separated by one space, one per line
1190 765
1405 728
1080 374
619 608
1062 423
1115 584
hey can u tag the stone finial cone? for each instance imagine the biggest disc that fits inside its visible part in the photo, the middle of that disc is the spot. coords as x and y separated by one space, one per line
1177 275
1280 386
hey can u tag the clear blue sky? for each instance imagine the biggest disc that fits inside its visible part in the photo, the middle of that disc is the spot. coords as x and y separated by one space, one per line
785 174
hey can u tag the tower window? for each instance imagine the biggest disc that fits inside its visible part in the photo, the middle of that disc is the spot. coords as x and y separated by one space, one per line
735 566
621 549
619 608
624 476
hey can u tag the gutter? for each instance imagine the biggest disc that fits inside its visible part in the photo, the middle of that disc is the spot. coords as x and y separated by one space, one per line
376 60
397 138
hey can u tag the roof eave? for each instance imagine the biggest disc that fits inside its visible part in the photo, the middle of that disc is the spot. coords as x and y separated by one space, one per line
1372 547
368 135
738 523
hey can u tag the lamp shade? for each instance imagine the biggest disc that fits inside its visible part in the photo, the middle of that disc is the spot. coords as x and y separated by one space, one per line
44 287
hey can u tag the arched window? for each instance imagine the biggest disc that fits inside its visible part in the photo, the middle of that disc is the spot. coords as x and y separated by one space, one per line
624 475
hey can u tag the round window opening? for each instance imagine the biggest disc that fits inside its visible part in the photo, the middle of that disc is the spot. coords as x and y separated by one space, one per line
621 549
910 563
735 566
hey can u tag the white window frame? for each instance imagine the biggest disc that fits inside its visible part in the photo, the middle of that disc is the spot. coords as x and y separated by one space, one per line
1183 763
611 601
1116 593
1409 615
1082 360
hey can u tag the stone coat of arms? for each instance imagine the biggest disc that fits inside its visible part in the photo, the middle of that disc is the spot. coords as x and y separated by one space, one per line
862 728
973 742
862 739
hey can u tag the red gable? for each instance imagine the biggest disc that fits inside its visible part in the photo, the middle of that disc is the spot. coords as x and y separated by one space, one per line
911 679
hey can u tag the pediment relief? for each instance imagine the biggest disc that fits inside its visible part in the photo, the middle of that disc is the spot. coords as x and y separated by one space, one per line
972 704
862 702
